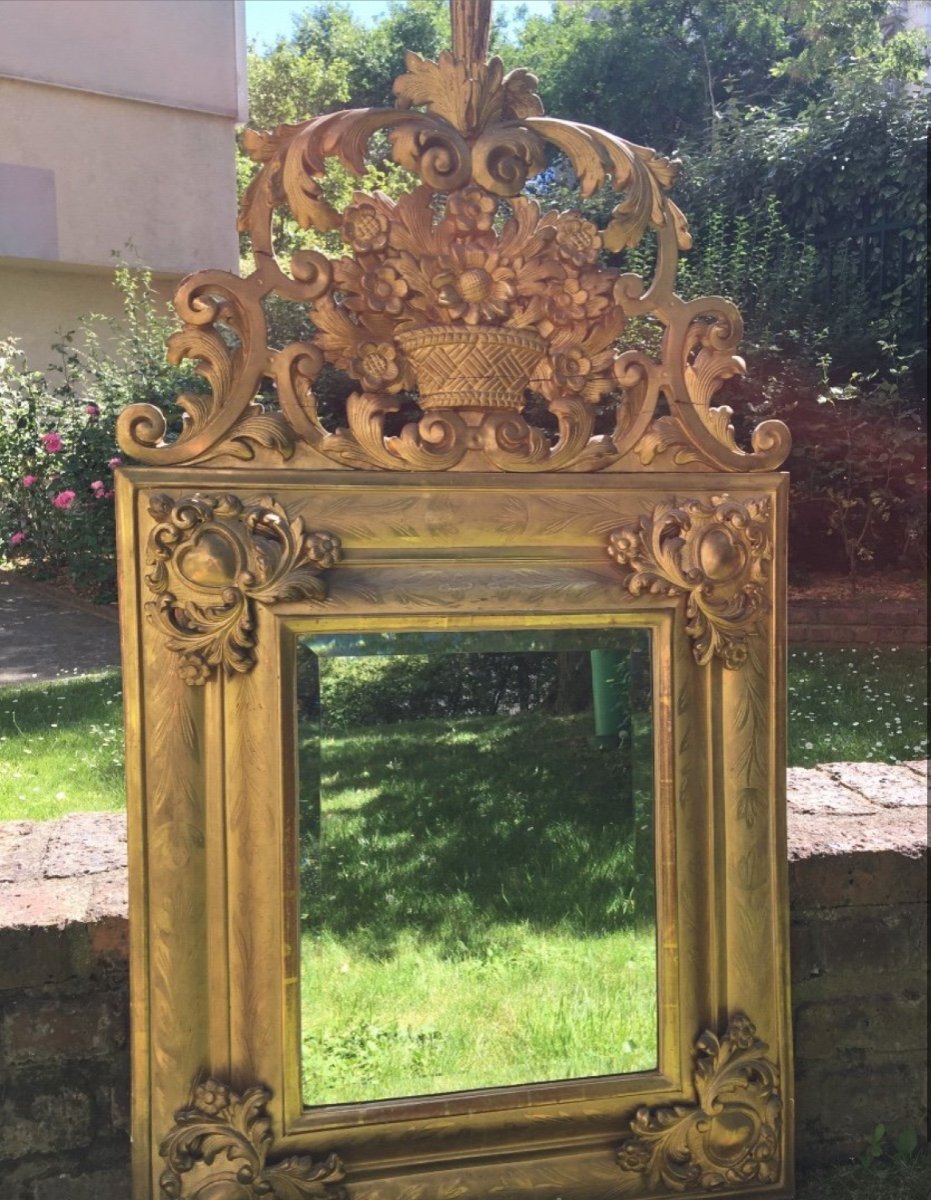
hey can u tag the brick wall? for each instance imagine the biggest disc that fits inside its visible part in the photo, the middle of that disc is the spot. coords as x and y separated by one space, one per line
858 622
858 885
64 1062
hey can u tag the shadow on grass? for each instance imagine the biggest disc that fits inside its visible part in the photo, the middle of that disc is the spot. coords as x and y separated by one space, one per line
450 827
37 707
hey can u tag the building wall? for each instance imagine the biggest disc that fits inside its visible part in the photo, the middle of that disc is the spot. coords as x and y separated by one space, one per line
118 138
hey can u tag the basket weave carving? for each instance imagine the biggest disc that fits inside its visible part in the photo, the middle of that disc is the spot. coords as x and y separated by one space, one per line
472 368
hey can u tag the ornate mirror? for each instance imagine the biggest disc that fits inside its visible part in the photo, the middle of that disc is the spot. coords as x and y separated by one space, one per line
456 723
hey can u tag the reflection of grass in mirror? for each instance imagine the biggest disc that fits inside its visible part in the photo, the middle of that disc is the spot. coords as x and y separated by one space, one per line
481 909
520 1006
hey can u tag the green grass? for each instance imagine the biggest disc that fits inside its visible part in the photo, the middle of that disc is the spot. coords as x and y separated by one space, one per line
466 926
525 1006
61 743
860 704
61 747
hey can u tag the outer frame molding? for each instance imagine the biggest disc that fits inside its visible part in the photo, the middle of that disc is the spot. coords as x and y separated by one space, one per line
212 836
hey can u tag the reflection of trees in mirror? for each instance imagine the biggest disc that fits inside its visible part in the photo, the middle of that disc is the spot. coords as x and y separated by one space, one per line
484 867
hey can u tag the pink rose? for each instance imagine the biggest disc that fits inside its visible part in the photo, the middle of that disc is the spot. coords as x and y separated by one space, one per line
51 443
29 480
64 499
115 462
18 538
97 486
92 410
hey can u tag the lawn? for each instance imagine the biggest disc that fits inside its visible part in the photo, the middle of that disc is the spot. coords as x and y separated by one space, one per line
465 927
61 743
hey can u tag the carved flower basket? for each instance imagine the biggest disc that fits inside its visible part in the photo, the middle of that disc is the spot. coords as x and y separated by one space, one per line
484 367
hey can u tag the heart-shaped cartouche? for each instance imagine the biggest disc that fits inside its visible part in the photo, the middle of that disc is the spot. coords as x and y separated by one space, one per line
210 560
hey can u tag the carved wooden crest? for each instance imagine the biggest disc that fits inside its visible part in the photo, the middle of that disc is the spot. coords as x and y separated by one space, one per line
464 294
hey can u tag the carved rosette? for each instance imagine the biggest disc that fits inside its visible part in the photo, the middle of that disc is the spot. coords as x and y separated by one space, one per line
211 560
730 1138
218 1150
717 555
462 291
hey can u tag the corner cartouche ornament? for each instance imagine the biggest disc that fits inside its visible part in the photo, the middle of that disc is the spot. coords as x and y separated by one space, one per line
730 1138
211 558
717 555
218 1147
463 293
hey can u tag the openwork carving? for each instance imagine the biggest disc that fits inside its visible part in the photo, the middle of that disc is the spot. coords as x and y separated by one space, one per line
218 1147
730 1138
717 555
463 292
211 559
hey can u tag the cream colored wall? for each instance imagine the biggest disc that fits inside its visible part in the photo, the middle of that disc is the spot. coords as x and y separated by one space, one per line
161 178
38 305
186 53
118 129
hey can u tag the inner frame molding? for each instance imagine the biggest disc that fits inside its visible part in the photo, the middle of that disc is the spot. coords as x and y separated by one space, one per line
213 840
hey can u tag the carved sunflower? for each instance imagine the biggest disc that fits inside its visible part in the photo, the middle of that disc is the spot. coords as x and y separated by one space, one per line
475 287
472 210
376 367
365 227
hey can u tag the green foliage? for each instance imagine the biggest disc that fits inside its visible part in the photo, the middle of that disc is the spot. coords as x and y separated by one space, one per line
887 1177
57 436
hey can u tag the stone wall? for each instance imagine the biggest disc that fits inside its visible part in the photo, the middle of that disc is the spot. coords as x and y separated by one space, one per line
858 622
857 871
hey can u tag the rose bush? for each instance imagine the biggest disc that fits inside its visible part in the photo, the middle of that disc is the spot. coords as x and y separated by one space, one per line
58 449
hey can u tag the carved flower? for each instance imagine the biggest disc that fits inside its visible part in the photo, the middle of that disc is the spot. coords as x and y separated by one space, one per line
634 1155
475 287
384 290
365 227
195 671
324 549
376 367
577 240
742 1032
472 210
211 1097
583 372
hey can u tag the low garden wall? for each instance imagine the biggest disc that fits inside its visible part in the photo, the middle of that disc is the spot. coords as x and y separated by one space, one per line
858 622
858 887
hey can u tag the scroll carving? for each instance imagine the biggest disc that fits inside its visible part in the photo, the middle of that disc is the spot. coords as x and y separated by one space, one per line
218 1150
463 292
717 555
211 560
730 1138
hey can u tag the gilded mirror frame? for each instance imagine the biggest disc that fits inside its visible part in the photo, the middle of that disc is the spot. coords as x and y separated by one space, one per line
250 523
213 838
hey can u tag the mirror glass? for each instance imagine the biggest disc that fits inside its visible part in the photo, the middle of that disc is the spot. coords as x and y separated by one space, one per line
476 856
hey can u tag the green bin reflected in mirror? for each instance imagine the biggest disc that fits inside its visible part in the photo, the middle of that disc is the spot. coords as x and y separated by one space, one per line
476 840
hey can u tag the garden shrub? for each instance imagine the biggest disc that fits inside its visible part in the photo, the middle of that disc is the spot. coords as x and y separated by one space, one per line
58 448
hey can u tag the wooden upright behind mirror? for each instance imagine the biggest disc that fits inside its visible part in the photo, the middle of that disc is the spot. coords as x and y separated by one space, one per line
456 735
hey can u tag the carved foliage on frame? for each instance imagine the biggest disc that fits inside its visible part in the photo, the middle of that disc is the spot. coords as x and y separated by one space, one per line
462 294
715 554
218 1150
211 560
730 1138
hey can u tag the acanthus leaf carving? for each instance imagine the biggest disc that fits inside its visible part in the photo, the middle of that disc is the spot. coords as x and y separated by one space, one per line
716 555
730 1138
439 269
218 1150
211 560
